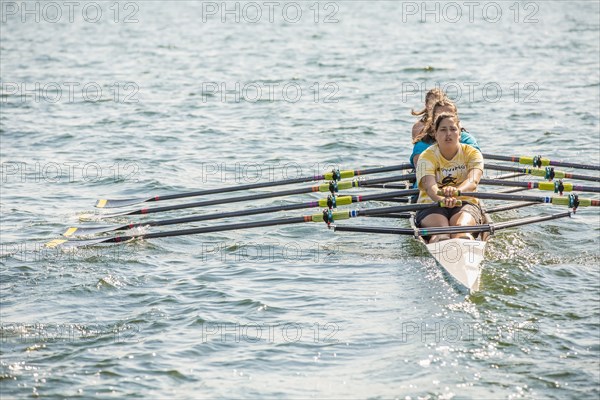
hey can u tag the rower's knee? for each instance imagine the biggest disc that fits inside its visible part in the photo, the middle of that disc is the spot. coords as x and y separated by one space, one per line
463 219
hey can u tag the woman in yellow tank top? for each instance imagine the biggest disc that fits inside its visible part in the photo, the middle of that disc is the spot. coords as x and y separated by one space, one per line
448 166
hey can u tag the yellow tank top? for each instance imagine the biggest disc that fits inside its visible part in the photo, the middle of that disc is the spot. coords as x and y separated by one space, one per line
447 172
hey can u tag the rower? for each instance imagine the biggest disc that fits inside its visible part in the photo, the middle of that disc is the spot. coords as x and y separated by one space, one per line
445 167
431 98
424 139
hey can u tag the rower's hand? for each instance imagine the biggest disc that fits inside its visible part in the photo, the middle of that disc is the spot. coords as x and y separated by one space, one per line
448 191
449 202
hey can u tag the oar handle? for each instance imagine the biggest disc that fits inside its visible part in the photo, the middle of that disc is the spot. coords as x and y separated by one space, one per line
455 194
457 204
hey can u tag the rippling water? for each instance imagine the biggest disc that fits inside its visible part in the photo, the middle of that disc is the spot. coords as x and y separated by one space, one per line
133 98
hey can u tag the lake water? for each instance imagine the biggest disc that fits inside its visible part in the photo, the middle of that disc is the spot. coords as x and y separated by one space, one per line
126 99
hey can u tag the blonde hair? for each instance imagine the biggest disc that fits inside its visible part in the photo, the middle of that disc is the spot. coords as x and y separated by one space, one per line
434 94
428 131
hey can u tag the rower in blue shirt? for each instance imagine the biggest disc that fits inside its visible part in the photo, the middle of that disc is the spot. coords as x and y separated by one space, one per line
436 103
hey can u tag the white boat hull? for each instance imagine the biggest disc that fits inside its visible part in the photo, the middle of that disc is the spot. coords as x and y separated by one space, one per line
461 258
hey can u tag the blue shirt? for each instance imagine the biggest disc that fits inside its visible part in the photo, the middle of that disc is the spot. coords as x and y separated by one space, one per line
421 146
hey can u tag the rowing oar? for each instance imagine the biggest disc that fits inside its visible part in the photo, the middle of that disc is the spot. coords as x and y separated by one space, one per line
548 173
507 207
572 200
335 175
326 187
330 202
556 186
452 229
539 161
328 216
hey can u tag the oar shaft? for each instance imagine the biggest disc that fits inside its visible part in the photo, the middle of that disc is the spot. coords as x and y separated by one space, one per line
404 215
398 209
232 214
542 172
340 201
82 230
387 185
452 229
206 203
417 232
338 215
539 161
395 178
107 203
231 227
342 185
563 201
531 220
209 229
374 229
566 187
509 207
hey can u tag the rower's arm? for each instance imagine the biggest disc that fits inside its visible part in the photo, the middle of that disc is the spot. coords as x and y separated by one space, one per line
431 187
415 159
418 148
470 184
417 128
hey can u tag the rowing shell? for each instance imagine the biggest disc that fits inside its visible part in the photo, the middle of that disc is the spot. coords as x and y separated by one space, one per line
460 258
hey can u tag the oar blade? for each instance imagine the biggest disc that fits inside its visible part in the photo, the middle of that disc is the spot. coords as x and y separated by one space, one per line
90 230
68 244
115 214
116 203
